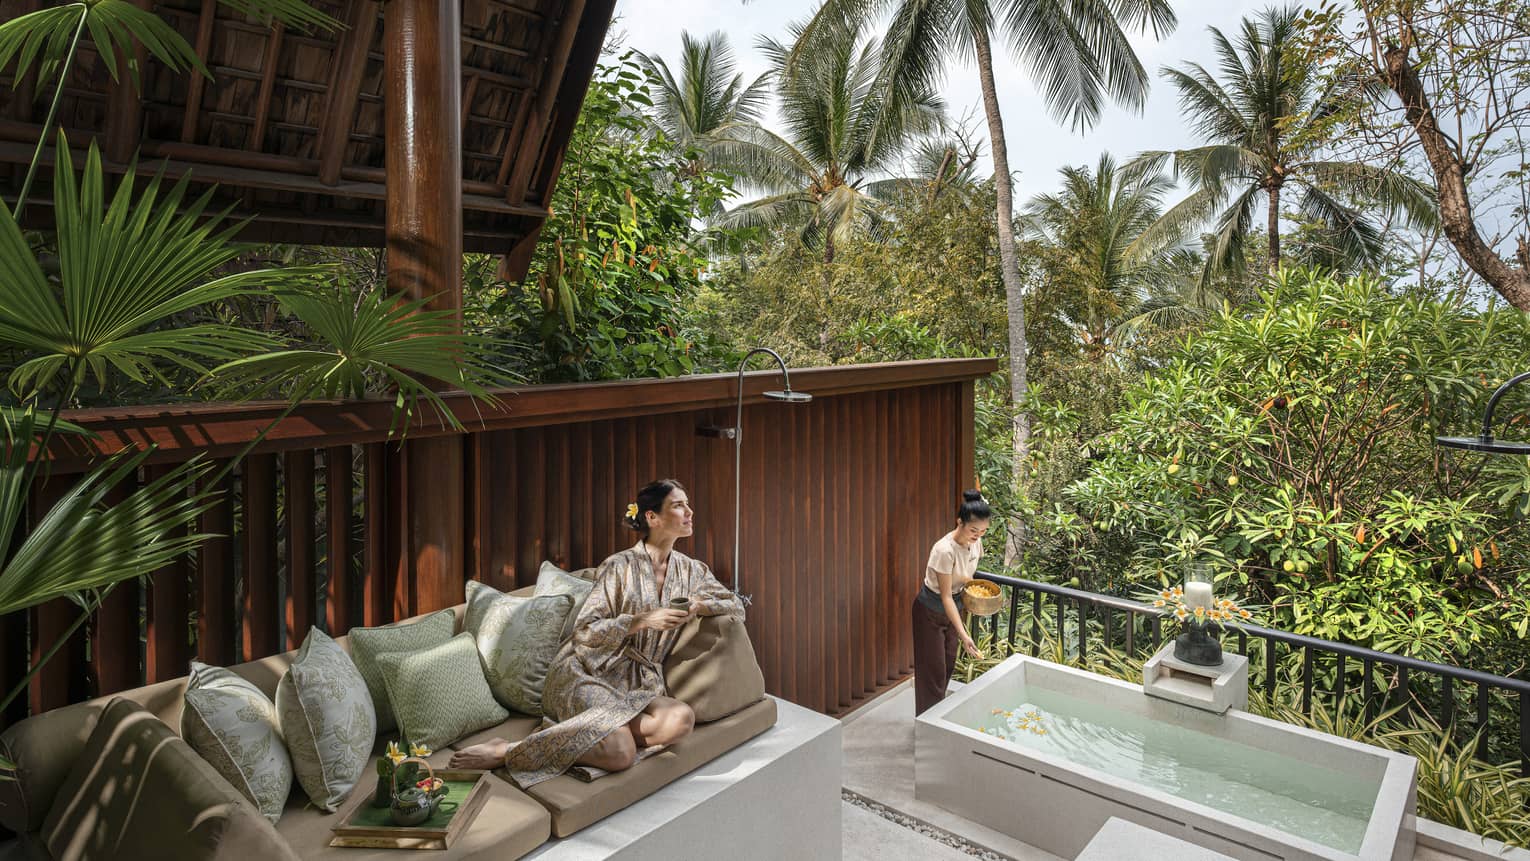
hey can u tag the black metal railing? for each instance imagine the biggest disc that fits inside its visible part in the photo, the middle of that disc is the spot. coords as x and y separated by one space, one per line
1094 618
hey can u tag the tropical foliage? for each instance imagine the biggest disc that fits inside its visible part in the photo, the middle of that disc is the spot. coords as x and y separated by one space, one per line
829 172
1266 125
1294 446
617 261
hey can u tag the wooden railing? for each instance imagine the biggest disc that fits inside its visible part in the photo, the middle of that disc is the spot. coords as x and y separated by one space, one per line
319 525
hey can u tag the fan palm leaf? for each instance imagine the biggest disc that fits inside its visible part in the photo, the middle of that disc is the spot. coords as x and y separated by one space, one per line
372 344
127 267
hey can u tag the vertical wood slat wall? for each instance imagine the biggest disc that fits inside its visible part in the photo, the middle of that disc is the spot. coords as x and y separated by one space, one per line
841 499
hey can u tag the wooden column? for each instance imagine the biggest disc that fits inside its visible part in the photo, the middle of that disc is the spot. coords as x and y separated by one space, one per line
422 40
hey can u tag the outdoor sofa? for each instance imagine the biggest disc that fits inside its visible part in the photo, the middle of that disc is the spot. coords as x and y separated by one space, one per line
141 791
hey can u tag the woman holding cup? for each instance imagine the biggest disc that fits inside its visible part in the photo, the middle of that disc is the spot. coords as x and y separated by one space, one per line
605 693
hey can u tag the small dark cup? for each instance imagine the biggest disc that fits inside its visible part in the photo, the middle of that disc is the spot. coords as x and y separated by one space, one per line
681 604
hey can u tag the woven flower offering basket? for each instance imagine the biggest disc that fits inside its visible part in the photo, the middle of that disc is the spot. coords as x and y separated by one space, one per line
982 598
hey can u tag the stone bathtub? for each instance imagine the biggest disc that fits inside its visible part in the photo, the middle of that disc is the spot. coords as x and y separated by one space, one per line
1046 754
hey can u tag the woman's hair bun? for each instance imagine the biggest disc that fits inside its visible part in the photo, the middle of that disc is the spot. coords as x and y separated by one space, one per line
631 522
972 496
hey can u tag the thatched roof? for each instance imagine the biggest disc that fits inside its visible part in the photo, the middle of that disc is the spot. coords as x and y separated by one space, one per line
291 125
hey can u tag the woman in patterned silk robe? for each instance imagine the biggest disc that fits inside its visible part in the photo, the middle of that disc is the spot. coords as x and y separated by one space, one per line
605 693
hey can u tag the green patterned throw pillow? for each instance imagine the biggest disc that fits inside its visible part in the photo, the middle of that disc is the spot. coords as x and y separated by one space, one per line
518 637
439 694
230 723
328 720
552 580
368 643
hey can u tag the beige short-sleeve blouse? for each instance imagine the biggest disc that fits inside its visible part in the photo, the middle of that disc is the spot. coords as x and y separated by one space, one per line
949 557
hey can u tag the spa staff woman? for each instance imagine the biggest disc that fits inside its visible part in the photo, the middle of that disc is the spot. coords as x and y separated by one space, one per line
938 626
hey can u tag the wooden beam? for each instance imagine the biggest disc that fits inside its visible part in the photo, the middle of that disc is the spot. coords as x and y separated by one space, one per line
302 597
221 429
576 82
269 172
548 83
422 40
256 140
345 89
196 83
469 90
168 646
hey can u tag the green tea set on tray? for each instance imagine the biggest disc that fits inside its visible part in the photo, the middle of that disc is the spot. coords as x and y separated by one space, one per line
414 801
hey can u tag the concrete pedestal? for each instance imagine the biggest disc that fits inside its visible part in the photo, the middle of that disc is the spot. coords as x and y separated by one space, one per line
1214 689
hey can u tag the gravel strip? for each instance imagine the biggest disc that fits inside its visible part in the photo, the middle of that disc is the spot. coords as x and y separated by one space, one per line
937 834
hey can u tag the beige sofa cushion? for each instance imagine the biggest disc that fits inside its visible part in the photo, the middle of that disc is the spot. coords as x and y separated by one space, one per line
575 804
44 751
138 791
712 668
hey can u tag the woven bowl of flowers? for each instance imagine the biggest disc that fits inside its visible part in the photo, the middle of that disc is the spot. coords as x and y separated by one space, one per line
982 598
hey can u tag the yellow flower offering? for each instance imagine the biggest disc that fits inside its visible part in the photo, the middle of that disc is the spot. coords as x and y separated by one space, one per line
419 750
394 754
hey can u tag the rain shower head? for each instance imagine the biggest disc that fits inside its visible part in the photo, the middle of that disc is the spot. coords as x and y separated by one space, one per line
1485 441
789 396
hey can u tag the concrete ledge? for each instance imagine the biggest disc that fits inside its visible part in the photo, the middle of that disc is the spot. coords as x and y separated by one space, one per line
775 796
1453 843
1120 839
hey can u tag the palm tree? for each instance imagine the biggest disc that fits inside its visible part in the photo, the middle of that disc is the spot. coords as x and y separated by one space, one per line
1086 227
1265 125
844 134
1077 51
709 97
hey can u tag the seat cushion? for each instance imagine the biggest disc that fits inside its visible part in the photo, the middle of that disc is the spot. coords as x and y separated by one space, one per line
516 728
406 636
712 668
138 791
232 725
327 720
575 804
510 825
517 640
439 694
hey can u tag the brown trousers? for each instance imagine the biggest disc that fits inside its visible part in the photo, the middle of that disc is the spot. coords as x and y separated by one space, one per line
936 644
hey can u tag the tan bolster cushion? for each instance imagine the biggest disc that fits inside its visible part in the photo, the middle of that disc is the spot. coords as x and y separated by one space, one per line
712 668
44 748
138 791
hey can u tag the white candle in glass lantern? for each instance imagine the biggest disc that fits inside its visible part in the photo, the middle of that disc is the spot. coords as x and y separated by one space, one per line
1197 594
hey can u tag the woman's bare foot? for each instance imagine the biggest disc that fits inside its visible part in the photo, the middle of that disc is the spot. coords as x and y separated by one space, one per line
490 754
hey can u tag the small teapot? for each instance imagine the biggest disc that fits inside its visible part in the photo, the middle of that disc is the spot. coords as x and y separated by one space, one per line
413 805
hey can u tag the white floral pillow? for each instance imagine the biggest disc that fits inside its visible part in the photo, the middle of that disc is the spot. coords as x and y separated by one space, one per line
230 723
328 720
517 638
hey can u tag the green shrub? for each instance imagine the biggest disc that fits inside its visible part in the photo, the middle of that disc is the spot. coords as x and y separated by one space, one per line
1294 446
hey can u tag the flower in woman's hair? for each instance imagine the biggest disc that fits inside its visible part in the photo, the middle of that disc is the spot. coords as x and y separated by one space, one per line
632 511
419 750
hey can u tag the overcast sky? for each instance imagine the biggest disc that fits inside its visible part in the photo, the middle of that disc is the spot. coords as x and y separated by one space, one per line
1038 146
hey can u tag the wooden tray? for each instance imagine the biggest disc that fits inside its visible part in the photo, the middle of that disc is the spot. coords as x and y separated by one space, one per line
355 831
